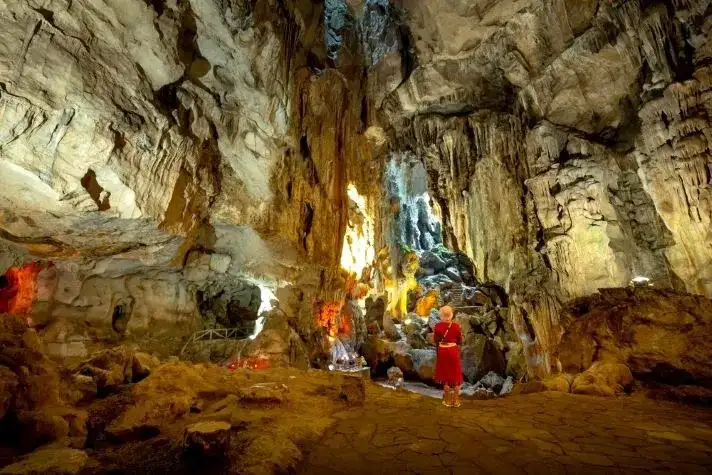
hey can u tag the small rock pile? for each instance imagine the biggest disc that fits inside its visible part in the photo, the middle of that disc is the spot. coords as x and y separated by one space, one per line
490 386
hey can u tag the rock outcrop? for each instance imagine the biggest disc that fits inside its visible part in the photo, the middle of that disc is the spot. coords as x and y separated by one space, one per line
567 145
150 148
662 336
36 402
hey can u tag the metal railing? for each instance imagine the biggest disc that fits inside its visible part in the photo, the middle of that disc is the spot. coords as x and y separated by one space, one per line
213 334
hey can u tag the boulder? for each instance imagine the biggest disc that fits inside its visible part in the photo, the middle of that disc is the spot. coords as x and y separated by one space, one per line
491 381
210 439
49 424
453 274
476 297
431 260
507 386
142 365
220 263
418 339
481 394
404 360
661 335
560 383
529 387
352 390
479 356
395 376
424 364
603 379
416 331
21 353
264 394
165 397
279 343
375 308
110 369
50 462
485 320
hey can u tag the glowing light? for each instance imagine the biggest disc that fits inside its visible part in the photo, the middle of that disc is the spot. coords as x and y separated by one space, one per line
358 252
329 317
408 321
17 296
266 296
426 303
640 281
398 291
254 362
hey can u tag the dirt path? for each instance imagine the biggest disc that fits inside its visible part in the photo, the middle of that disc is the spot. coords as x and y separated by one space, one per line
548 433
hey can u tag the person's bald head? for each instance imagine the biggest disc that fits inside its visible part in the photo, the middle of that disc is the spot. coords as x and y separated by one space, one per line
446 313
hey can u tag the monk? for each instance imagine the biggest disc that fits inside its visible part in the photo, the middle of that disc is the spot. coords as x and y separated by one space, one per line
448 368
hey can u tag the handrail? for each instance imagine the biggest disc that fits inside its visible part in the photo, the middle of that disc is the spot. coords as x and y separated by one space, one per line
212 334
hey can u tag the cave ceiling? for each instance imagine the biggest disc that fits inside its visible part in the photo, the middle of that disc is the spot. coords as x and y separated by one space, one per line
567 141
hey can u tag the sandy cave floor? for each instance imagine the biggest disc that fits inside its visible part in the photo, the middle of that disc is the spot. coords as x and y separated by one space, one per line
402 432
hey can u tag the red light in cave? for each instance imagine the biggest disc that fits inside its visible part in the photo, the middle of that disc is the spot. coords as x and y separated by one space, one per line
347 325
18 293
254 362
328 316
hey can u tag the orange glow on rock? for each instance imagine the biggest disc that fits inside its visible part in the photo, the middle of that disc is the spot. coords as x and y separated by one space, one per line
329 316
253 362
347 325
19 294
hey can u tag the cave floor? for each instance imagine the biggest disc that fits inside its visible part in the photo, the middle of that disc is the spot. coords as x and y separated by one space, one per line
398 432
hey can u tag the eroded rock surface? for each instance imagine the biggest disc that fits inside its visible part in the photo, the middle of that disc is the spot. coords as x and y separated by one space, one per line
660 335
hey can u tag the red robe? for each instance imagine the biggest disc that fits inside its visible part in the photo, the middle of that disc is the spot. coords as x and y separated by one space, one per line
448 368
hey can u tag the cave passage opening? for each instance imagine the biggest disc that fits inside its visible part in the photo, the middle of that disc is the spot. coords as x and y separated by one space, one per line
398 273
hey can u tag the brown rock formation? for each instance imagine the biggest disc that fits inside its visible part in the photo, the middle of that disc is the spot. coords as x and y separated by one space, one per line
662 336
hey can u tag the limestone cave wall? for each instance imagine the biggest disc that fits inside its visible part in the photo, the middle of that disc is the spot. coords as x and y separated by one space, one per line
567 142
149 149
